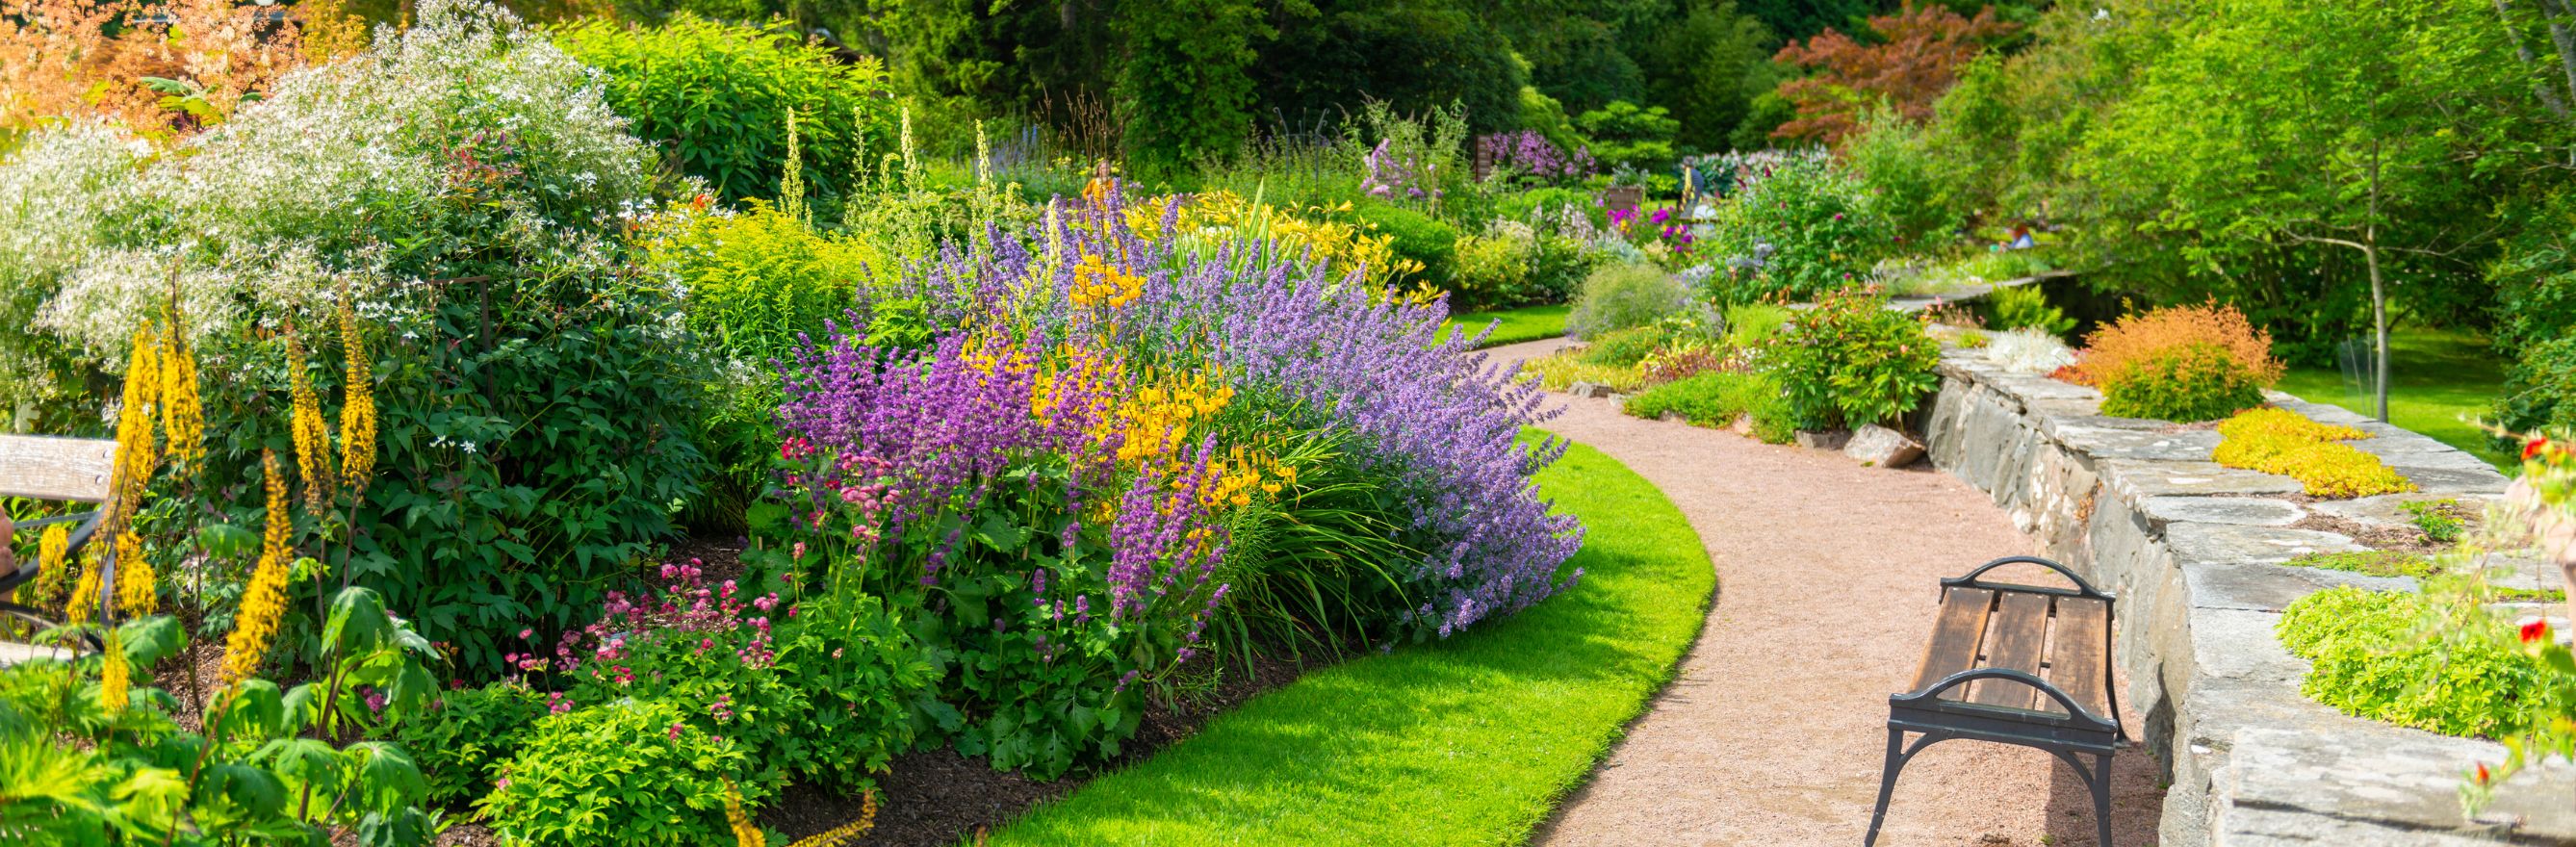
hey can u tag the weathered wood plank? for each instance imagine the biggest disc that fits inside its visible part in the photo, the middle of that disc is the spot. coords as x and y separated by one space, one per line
2014 639
1955 634
44 468
2079 654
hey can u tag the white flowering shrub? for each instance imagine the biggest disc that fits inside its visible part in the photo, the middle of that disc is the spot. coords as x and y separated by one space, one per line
466 183
2029 350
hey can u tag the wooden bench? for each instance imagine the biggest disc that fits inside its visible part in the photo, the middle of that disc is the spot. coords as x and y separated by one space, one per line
76 470
2015 664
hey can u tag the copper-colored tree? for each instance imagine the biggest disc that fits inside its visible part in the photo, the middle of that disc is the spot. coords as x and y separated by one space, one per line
1923 48
59 60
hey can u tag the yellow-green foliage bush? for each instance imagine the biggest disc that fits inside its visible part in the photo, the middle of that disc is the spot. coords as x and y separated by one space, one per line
1563 370
2284 442
2397 657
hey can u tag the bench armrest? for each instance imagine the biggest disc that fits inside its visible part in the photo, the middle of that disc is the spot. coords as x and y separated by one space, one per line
2082 588
1933 693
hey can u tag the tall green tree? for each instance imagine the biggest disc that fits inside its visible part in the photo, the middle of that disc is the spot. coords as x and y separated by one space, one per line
2350 126
1185 84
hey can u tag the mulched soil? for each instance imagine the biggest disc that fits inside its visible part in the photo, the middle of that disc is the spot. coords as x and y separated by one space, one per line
2404 539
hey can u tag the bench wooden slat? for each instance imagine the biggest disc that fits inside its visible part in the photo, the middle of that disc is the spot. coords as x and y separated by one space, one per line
2079 653
43 468
1955 635
2014 639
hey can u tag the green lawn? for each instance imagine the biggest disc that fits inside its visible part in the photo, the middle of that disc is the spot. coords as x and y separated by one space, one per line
1518 325
1467 741
2442 381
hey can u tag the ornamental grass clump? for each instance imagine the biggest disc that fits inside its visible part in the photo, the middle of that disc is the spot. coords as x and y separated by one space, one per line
2179 363
2284 442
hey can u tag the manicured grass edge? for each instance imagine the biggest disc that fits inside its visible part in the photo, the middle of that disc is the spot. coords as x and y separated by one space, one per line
1471 740
1529 323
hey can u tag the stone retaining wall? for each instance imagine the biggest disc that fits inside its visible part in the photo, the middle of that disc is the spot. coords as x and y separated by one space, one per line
2193 552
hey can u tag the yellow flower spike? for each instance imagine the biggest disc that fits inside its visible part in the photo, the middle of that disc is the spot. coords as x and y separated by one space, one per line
358 409
136 456
76 611
138 593
264 601
53 554
312 436
115 681
183 413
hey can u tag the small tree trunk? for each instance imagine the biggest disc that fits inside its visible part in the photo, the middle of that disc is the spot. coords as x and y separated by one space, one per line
2379 327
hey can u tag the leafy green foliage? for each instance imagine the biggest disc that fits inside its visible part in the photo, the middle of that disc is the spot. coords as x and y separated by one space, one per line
1413 56
2195 381
2023 306
464 735
1187 82
630 772
1749 325
1852 361
2394 657
2540 388
1812 227
1624 296
1418 236
1494 270
1626 346
2441 520
1898 163
1709 67
718 97
1718 398
82 773
1625 135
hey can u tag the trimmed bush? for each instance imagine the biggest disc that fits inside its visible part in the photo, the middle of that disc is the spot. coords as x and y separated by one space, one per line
2197 381
2181 363
1417 236
1494 270
2026 307
629 772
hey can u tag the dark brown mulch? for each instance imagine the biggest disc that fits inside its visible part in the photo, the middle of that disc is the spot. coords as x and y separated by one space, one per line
2404 539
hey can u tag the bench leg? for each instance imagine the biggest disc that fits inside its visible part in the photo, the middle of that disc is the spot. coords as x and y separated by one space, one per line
1886 782
2102 797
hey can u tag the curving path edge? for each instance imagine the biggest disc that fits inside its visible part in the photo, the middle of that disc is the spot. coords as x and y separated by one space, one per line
1773 730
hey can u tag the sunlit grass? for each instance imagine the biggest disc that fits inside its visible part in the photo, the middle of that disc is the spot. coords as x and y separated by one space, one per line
2441 382
1518 325
1466 741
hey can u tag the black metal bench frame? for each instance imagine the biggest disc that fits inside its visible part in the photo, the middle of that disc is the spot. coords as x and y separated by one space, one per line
2071 737
84 526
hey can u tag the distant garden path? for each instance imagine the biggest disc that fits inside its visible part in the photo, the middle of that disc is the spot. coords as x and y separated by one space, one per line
1773 729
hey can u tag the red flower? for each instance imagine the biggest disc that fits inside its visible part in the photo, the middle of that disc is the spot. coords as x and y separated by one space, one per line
2532 448
2535 631
2483 776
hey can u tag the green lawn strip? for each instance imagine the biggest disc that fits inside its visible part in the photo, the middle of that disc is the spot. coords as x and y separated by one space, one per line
1466 741
1518 325
2441 381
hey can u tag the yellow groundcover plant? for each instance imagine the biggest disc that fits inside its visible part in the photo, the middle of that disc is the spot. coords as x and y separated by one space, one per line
2284 442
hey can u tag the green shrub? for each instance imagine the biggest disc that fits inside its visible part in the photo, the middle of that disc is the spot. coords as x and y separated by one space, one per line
2198 381
1626 136
2025 306
717 96
1419 237
2394 657
1804 229
1895 160
460 741
1749 325
1549 203
2441 520
1493 270
1623 296
1557 372
624 772
1852 361
1626 347
1717 399
2540 389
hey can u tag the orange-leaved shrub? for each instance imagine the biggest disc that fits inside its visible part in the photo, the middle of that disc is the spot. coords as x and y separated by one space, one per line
75 58
2182 363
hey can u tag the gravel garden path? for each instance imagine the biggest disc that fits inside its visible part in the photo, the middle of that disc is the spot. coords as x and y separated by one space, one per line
1774 728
